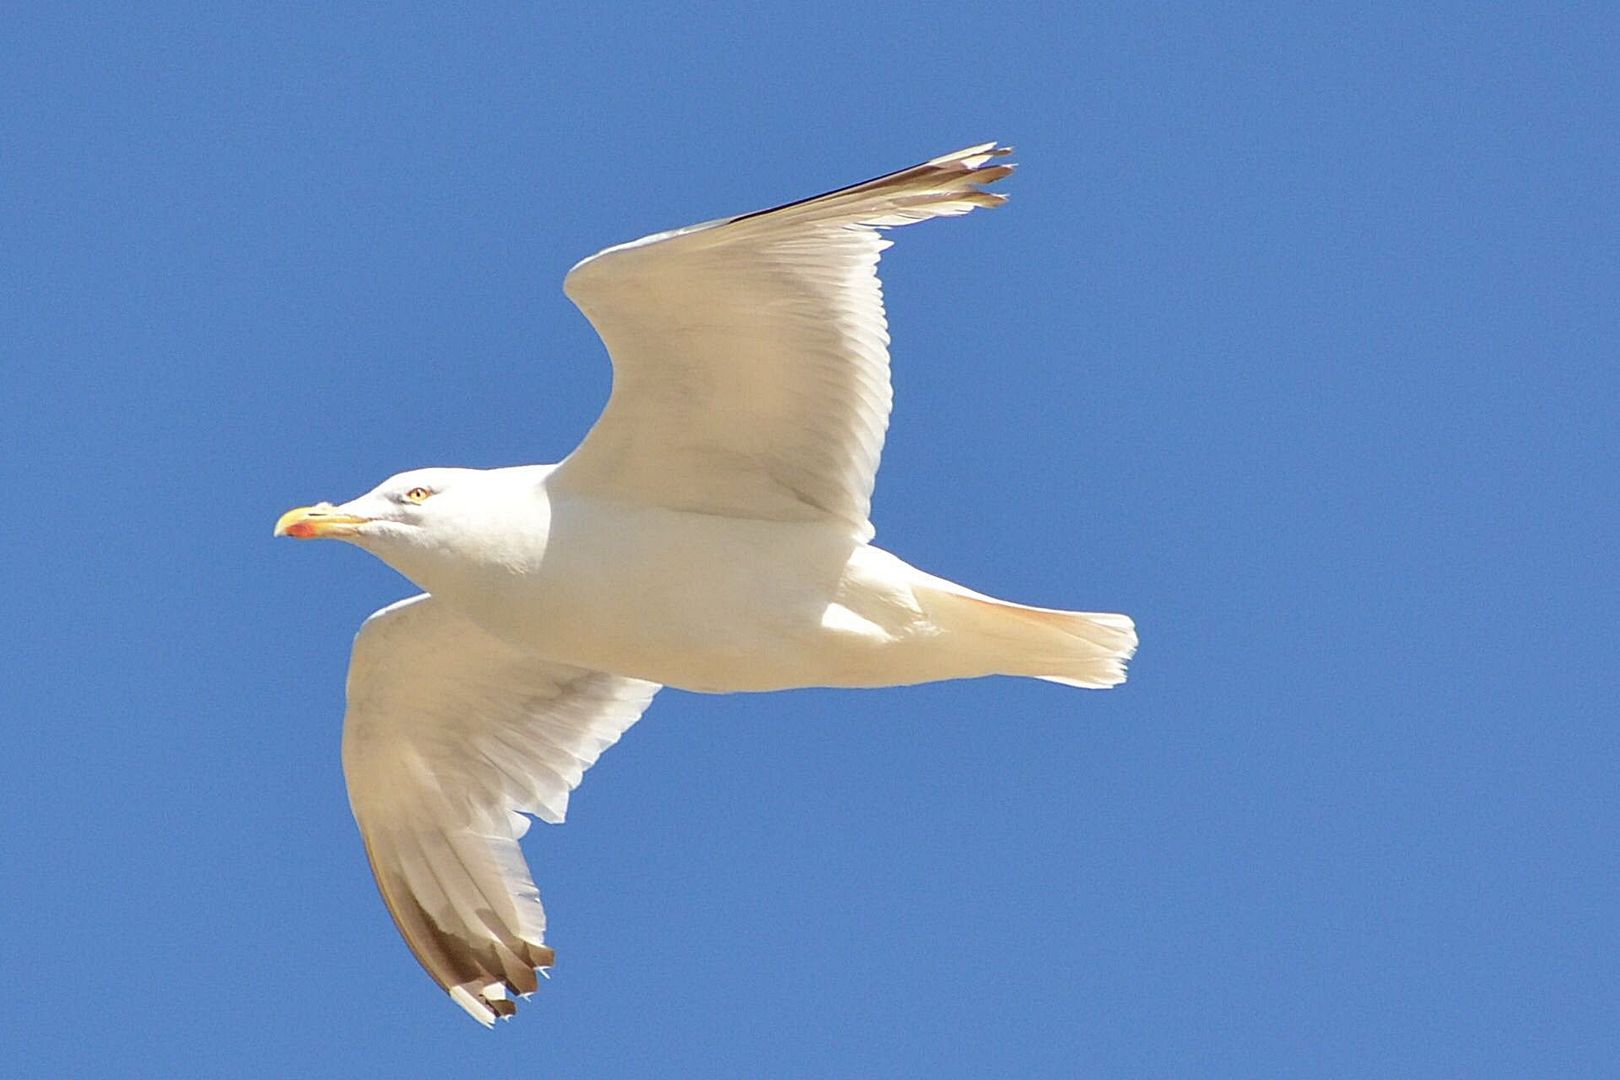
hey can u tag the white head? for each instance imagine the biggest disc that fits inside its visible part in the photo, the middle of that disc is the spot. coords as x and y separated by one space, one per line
417 521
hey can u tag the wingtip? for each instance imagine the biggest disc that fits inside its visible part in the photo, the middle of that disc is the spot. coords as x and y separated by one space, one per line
973 156
490 998
973 167
474 1004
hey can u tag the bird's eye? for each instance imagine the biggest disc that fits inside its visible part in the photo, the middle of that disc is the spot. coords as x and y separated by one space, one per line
418 494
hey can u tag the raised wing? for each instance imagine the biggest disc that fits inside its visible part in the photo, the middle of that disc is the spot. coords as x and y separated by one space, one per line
449 734
750 355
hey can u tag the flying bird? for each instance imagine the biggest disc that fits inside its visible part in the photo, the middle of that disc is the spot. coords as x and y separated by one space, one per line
710 533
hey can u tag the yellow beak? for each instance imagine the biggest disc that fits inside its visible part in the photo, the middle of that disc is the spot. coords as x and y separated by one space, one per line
317 522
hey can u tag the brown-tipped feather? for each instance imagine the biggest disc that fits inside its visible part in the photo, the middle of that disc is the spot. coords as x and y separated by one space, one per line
453 962
956 177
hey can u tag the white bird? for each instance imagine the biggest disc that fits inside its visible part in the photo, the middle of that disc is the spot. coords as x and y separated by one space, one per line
709 534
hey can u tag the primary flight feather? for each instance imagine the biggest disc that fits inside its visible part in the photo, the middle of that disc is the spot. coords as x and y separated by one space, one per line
710 533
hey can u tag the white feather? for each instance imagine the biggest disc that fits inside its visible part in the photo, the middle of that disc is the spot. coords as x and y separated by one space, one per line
449 732
750 355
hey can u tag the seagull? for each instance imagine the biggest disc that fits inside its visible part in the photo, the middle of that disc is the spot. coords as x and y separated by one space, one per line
710 534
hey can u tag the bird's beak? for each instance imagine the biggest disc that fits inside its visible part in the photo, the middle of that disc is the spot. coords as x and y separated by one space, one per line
319 522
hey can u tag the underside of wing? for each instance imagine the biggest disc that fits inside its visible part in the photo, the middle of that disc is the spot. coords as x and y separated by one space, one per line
750 355
450 737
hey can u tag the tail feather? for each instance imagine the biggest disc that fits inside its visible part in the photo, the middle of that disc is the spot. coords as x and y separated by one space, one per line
1074 648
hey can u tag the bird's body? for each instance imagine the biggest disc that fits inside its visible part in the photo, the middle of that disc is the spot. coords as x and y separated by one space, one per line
761 621
586 581
710 534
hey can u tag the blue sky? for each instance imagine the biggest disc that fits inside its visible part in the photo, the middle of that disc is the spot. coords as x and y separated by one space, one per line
1297 343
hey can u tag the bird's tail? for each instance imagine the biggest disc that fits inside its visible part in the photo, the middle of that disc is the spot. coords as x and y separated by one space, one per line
1075 648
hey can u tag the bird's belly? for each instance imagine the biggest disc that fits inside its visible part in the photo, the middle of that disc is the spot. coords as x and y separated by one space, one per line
700 602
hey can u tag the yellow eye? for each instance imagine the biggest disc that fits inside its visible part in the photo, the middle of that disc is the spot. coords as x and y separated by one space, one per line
418 494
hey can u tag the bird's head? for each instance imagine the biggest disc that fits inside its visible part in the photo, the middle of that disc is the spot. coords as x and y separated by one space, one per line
402 509
412 521
437 525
